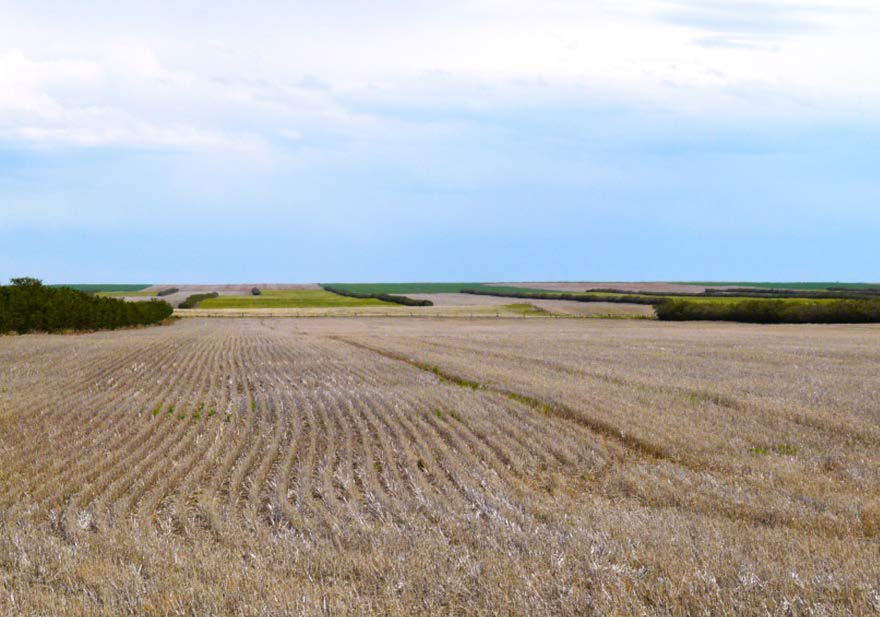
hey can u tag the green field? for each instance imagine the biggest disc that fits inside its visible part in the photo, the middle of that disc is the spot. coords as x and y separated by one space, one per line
106 287
801 286
298 298
524 309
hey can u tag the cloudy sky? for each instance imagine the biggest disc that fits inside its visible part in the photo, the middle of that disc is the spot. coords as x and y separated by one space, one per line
459 140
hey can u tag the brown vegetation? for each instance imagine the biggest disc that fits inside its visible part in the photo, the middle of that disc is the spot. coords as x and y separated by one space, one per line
428 466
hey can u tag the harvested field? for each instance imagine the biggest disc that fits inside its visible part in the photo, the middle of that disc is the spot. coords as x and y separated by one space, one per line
556 307
422 466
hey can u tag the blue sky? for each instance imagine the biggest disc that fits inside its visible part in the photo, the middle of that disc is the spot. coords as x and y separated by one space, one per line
464 140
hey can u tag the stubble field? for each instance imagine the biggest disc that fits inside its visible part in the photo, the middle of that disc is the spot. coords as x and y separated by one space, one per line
441 466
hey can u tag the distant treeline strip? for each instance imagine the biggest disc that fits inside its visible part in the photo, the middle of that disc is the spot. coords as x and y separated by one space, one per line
562 295
836 293
101 287
168 292
772 311
193 300
405 300
29 306
760 310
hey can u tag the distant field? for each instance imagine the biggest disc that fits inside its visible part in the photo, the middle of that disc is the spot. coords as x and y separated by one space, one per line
801 286
730 299
105 287
126 294
571 296
301 298
424 288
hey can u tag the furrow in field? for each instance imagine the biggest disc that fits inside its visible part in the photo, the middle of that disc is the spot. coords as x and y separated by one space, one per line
64 446
706 499
55 413
101 450
130 472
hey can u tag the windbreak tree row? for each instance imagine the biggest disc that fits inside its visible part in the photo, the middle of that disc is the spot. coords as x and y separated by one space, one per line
29 306
405 300
193 300
772 311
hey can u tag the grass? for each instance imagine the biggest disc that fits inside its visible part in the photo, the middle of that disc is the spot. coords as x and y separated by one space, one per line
299 298
96 287
524 309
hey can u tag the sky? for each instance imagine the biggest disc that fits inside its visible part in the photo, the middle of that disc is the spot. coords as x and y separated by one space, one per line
344 141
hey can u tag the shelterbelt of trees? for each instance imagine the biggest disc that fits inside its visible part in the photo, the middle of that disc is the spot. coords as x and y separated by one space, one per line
767 308
29 306
396 299
772 311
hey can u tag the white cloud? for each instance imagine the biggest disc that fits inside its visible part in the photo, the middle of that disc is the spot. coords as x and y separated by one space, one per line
170 77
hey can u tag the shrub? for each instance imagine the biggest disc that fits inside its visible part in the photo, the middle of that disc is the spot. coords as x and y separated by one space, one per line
405 300
193 300
28 306
168 292
256 291
772 311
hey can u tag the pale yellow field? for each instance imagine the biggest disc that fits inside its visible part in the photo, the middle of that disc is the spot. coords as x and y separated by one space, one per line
441 466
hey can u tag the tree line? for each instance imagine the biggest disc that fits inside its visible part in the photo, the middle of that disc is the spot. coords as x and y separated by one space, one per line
764 309
29 306
772 311
405 300
193 300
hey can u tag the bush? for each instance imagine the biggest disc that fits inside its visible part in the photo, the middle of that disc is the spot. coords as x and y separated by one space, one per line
256 291
405 300
193 300
168 292
29 306
772 311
